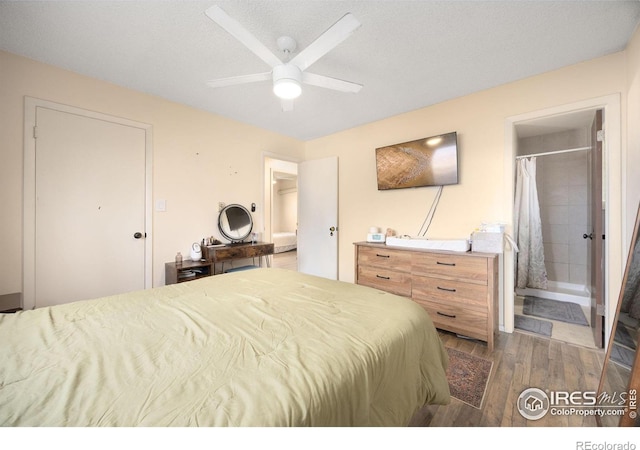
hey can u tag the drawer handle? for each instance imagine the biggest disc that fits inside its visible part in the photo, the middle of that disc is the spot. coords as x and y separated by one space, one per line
445 264
446 289
451 316
384 278
383 256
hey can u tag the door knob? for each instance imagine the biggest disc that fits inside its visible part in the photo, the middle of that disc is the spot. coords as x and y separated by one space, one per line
139 235
587 236
332 229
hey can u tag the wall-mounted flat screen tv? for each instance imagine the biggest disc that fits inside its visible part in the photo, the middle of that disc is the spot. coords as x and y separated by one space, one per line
431 161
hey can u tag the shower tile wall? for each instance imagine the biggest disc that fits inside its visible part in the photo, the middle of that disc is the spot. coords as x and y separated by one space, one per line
563 194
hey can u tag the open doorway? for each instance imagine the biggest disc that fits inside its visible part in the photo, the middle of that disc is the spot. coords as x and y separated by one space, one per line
316 230
558 275
282 211
614 218
284 220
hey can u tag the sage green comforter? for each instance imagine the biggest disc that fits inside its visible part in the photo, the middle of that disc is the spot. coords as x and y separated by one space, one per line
265 347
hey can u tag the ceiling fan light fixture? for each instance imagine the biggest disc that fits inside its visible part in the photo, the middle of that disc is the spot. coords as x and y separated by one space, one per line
287 89
287 81
287 72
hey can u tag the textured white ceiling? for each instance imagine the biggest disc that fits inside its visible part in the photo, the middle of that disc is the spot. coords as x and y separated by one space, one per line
407 54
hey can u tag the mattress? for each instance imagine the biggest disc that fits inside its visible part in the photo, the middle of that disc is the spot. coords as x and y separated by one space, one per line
265 347
285 241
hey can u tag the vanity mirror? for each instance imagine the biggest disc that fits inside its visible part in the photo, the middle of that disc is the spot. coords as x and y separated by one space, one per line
620 380
235 223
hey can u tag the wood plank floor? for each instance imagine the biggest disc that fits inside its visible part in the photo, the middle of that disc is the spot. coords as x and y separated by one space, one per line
286 260
520 361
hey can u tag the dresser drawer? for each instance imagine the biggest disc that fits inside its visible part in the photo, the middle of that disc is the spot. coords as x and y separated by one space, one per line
457 318
458 290
385 279
449 292
461 267
384 257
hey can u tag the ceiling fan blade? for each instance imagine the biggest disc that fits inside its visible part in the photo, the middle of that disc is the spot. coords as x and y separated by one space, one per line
233 27
242 79
336 33
330 83
286 104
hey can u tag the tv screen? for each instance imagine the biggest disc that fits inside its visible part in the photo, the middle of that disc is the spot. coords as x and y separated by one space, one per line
431 161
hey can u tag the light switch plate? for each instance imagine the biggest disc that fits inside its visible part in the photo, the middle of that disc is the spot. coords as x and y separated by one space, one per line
161 205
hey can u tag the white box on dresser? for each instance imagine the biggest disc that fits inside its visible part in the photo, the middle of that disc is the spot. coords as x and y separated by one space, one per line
459 290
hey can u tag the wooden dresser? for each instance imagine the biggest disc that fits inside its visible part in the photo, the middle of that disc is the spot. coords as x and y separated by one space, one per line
458 290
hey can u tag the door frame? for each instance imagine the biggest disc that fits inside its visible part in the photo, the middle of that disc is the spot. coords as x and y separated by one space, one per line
270 162
29 190
612 196
595 253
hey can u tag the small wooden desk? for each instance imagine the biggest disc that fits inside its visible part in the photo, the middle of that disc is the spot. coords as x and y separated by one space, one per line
220 254
187 271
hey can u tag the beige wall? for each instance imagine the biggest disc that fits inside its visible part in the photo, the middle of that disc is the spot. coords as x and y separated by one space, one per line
199 159
484 192
479 120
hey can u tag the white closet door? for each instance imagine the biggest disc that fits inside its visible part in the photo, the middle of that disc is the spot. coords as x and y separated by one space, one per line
90 203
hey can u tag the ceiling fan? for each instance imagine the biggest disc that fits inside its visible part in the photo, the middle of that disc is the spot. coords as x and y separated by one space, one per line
288 74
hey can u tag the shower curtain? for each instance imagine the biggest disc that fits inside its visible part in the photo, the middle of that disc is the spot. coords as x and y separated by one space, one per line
531 271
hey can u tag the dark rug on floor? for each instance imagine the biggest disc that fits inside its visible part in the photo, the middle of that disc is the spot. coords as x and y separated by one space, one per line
468 376
622 355
623 337
554 310
533 325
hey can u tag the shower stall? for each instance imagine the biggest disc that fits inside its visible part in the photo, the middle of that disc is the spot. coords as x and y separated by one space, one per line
563 186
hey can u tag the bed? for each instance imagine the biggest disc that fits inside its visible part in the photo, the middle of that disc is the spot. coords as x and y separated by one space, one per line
265 347
284 241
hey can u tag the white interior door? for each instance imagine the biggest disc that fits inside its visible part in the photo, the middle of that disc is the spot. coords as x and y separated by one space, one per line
318 217
90 201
